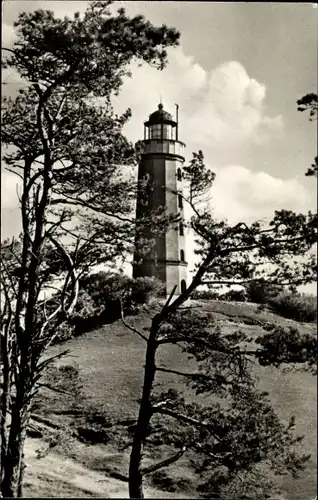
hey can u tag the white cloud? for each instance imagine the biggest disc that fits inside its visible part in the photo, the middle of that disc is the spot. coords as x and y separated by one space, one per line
241 194
10 186
10 214
232 108
8 35
224 106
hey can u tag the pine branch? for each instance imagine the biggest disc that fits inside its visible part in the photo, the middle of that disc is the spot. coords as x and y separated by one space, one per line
210 454
176 372
164 463
159 408
195 375
55 389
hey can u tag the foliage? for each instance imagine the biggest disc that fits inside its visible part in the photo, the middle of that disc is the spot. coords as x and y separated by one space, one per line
164 482
247 486
60 383
309 102
234 295
93 433
288 346
313 169
142 289
260 292
101 299
204 295
107 290
297 306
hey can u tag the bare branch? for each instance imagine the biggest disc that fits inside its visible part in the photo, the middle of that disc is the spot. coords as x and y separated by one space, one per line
71 275
14 172
47 361
48 386
229 283
128 326
9 278
185 374
48 319
68 200
169 298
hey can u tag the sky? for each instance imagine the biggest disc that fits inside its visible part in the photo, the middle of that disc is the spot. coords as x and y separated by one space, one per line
236 76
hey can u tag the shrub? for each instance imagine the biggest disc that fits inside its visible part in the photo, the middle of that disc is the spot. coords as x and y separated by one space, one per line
62 388
66 332
100 298
162 480
142 289
93 434
300 307
234 295
102 294
260 292
106 290
204 295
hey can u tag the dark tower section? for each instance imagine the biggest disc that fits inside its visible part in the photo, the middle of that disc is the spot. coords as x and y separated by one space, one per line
162 157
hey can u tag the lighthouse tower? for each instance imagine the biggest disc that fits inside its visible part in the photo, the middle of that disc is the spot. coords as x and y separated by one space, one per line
162 157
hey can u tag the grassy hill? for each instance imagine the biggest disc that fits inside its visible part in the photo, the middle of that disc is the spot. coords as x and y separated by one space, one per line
110 366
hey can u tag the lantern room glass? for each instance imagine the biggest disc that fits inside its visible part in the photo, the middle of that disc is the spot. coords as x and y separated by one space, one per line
161 131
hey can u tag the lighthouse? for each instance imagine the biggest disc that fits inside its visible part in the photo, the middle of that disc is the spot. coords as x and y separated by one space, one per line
162 158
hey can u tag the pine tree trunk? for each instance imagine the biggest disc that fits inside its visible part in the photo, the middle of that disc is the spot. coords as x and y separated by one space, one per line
135 471
135 474
4 424
13 467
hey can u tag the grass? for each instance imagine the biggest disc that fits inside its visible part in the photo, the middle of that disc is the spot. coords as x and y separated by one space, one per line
110 364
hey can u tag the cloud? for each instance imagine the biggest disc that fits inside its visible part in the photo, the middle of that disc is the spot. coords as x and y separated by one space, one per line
8 35
221 106
241 194
224 106
10 186
10 212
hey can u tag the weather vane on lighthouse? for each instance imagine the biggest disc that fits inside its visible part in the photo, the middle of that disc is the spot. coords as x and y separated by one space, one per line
162 158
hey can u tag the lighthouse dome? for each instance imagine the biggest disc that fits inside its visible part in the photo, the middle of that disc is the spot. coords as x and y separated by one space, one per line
160 116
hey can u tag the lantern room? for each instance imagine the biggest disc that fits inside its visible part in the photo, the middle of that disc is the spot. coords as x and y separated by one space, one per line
161 126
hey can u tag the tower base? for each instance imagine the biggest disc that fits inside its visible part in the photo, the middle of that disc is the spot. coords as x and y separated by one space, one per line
170 273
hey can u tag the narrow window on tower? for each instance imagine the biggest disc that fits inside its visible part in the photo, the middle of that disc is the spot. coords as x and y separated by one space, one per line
182 255
180 201
181 231
179 174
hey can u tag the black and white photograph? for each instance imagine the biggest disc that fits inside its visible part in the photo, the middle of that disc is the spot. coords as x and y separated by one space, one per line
158 279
